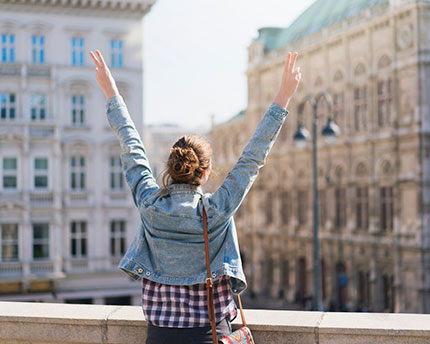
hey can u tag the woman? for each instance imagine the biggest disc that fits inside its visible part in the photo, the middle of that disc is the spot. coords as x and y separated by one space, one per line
168 250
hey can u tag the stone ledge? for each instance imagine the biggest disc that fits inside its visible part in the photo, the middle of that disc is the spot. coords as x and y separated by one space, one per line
39 323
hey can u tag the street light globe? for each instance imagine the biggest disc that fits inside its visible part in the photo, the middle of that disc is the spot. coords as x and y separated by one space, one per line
330 131
301 136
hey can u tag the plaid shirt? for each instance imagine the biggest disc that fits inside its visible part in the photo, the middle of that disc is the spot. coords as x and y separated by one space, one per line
185 306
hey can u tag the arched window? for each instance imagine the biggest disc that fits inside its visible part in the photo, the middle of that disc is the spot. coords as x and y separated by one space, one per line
339 200
360 108
385 92
385 98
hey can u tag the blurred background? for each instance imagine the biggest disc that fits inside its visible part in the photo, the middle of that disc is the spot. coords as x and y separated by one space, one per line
338 218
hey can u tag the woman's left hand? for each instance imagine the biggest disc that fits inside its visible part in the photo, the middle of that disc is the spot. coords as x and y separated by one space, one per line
104 76
290 81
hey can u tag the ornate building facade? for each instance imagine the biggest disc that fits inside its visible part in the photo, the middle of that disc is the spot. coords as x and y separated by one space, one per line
373 58
66 214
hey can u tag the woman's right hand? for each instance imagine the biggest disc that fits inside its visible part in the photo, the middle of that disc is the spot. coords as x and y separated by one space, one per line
290 81
104 76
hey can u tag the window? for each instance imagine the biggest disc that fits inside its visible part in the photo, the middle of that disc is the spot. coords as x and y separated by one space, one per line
10 173
78 239
7 106
269 207
285 271
387 208
322 207
116 53
302 207
338 108
117 238
40 173
384 102
38 107
116 176
363 291
388 292
9 242
77 173
78 110
77 45
360 108
340 208
40 241
285 207
362 208
7 48
38 49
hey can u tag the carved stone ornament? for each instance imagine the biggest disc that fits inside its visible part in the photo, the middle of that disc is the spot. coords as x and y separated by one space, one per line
360 69
361 170
384 62
404 37
338 76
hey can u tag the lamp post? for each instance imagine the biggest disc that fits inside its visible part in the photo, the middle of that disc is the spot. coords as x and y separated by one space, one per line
329 132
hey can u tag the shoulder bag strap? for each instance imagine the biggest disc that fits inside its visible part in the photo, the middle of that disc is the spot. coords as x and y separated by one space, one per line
209 284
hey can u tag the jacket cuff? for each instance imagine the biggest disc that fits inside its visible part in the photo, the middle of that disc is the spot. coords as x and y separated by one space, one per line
114 102
277 110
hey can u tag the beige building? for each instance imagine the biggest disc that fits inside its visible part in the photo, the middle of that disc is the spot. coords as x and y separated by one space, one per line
373 58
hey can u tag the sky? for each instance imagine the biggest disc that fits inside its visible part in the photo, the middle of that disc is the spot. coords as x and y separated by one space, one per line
195 56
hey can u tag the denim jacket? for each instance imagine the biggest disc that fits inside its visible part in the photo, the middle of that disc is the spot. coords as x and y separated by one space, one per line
169 245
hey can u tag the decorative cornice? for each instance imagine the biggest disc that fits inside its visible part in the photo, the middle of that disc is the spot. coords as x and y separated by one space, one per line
140 6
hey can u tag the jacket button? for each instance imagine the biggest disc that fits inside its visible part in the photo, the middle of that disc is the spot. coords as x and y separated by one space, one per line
140 270
147 273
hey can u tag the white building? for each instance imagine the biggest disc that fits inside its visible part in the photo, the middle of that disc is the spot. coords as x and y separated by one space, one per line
66 214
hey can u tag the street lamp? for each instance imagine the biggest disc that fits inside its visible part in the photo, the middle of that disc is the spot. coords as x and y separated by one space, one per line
329 132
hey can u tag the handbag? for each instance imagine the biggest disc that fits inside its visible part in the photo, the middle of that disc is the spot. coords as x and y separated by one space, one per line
240 336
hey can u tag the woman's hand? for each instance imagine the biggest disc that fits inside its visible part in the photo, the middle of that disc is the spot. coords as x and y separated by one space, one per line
104 76
290 81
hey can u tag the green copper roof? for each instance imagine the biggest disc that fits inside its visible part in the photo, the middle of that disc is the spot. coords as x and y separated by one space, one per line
319 15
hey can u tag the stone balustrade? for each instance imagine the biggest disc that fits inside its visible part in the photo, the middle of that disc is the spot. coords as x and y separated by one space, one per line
39 323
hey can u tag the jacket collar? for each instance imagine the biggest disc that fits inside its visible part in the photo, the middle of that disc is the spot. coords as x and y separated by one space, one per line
184 188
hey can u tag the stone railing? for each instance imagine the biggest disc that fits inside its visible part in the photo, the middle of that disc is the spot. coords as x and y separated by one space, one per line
39 323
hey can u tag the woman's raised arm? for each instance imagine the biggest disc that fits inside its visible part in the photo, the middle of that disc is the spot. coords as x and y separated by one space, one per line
133 156
228 197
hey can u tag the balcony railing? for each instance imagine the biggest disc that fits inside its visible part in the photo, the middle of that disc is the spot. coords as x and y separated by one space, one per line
10 269
39 71
35 130
42 268
19 270
41 200
77 199
22 322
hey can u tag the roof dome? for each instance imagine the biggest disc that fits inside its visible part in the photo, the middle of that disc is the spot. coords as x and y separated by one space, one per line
321 14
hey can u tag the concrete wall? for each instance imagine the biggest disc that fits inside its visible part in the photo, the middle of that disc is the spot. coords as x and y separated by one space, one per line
38 323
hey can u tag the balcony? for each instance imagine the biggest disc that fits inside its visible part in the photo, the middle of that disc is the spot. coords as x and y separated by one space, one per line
42 130
42 268
77 199
39 71
11 270
19 270
119 198
34 130
10 69
41 199
90 265
36 323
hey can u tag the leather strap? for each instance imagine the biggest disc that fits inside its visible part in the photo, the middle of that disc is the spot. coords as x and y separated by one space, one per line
209 284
